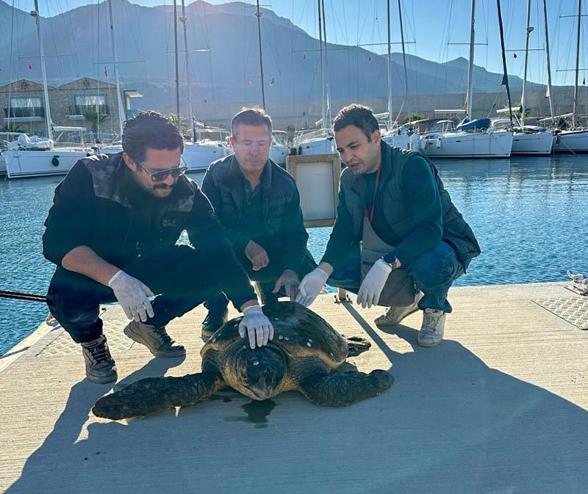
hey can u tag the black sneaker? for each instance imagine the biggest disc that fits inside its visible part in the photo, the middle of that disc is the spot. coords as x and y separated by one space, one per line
213 321
100 367
155 338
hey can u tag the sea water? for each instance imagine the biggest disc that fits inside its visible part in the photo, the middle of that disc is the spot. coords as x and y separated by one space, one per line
529 214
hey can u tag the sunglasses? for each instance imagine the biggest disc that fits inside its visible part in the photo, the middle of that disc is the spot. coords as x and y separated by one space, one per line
161 175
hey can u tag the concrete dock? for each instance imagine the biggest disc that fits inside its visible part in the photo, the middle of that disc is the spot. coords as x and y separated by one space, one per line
500 407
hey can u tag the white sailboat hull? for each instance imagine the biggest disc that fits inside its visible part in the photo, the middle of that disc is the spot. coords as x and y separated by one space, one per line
537 143
279 154
199 155
571 141
467 144
401 141
322 145
28 163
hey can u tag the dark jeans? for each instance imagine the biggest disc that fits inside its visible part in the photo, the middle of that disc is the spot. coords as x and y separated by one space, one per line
433 273
266 279
180 275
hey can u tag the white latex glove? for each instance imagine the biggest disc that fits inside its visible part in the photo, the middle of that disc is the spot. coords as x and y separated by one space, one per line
373 284
257 326
132 295
310 286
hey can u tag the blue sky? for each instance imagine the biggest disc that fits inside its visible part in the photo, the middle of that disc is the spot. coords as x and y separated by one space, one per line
430 25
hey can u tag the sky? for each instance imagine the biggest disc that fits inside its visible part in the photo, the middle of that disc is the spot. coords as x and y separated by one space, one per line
434 29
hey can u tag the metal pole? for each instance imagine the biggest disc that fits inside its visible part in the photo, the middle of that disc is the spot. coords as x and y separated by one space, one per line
258 14
176 61
327 91
323 98
471 62
116 78
403 59
184 19
389 125
503 50
35 14
528 34
548 60
575 108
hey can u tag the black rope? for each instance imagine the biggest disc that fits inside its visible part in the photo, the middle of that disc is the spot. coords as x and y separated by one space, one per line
23 296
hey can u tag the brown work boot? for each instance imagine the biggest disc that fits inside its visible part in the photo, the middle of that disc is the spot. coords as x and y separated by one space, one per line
100 367
155 338
395 315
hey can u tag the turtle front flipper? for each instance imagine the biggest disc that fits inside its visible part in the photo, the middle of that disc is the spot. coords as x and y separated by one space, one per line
357 345
158 393
341 389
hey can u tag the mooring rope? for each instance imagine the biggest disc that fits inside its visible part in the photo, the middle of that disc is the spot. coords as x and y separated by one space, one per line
23 296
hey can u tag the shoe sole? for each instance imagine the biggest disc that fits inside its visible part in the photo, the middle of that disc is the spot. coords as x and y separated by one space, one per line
102 379
426 344
136 337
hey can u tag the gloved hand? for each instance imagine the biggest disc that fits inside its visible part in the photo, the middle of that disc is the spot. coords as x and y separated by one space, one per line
132 296
310 286
289 280
257 326
373 284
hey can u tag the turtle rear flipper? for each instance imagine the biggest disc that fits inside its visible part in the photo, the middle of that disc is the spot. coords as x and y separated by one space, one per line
157 393
341 389
357 345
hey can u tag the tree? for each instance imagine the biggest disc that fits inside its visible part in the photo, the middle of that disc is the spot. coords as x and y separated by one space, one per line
94 119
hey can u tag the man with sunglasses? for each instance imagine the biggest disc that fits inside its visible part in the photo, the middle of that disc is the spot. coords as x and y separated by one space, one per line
113 232
258 204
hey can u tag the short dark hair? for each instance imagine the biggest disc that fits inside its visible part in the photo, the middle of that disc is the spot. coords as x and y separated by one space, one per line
359 116
149 129
251 116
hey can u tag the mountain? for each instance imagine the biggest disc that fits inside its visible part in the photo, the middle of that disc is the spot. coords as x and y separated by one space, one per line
224 57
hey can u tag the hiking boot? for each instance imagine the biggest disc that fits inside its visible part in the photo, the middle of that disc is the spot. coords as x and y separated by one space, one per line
155 338
395 315
213 321
431 333
100 366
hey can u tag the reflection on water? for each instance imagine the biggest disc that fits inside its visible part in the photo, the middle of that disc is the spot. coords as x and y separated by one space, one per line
529 215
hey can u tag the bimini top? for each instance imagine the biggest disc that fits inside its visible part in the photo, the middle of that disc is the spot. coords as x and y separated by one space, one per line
477 124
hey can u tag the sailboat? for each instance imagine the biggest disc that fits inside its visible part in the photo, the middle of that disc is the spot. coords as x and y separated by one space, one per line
320 141
472 138
394 134
528 139
575 139
39 157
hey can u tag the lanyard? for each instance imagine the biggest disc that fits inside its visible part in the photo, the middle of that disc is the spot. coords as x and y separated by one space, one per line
372 211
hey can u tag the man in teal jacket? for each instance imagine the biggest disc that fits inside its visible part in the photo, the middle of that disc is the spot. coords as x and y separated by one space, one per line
398 240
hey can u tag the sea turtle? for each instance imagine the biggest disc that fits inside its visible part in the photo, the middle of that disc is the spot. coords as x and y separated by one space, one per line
303 356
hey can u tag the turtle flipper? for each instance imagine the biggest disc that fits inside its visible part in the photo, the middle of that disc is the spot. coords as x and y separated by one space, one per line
341 389
157 393
357 345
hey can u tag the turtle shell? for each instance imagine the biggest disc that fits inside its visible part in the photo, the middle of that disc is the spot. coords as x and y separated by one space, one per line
298 331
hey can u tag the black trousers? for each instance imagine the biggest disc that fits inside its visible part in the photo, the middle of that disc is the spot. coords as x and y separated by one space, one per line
179 275
266 279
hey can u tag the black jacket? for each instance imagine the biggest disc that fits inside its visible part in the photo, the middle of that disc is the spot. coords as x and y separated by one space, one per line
283 234
416 209
91 208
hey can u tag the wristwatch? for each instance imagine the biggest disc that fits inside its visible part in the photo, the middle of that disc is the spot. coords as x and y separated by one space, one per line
394 264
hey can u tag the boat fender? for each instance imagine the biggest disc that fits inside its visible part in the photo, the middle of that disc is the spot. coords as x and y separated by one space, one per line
55 160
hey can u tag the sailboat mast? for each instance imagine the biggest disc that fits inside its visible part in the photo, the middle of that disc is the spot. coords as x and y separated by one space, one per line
528 34
575 108
258 14
471 62
327 91
35 14
184 20
403 58
323 99
176 60
116 78
389 125
548 59
504 67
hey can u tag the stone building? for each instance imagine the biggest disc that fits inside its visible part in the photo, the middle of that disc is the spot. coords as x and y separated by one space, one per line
85 102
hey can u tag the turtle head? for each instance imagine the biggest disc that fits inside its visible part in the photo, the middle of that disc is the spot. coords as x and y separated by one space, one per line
259 372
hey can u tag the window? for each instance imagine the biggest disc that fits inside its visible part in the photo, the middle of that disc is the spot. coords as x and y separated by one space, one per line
92 103
25 107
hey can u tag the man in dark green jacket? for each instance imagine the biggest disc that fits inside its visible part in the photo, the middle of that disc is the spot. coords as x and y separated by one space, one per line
112 232
398 240
259 205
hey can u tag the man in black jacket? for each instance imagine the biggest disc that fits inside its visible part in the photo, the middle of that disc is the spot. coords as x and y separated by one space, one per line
112 232
397 233
259 205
